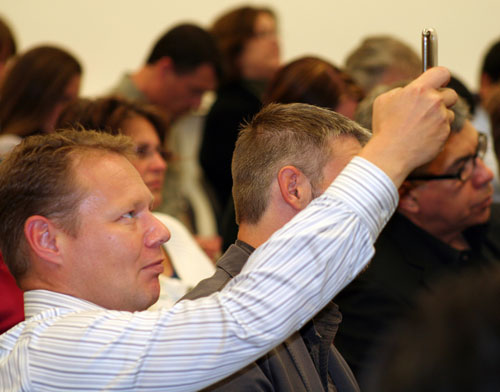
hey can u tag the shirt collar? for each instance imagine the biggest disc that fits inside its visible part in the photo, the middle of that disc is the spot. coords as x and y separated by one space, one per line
37 301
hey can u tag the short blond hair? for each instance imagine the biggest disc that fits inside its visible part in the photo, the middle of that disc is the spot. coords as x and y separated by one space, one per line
295 134
37 178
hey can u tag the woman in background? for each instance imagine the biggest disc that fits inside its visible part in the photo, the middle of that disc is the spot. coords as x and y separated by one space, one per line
8 47
185 264
247 40
316 82
37 86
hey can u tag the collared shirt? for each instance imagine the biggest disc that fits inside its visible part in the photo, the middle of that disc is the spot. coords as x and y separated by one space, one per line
67 344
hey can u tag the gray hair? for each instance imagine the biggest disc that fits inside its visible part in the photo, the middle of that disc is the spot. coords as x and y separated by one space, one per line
295 134
377 55
364 111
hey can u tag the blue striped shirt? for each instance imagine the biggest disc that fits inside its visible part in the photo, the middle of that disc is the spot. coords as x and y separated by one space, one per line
67 344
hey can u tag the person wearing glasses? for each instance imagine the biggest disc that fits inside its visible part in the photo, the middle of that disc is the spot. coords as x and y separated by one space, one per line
439 229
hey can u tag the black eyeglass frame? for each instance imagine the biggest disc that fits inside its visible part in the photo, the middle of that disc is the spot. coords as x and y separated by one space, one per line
482 144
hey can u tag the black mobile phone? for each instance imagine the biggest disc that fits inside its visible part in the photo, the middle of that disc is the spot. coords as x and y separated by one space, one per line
429 49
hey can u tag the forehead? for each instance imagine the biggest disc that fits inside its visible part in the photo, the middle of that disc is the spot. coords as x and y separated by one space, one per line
110 182
459 145
141 130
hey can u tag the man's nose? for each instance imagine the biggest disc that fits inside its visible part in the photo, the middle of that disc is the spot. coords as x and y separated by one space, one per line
482 173
157 233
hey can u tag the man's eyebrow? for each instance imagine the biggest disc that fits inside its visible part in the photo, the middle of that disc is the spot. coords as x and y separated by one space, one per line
462 159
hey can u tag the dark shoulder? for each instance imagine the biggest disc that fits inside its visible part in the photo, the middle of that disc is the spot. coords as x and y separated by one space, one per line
235 97
209 285
228 266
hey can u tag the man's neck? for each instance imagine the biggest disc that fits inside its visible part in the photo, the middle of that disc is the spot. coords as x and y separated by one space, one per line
142 80
253 234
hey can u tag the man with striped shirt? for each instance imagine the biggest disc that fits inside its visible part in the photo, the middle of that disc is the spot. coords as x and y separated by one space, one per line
78 235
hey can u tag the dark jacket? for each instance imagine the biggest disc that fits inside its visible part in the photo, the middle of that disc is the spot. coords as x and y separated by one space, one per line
304 362
235 104
407 260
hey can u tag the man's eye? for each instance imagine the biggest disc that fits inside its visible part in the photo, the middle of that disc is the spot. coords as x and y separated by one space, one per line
129 215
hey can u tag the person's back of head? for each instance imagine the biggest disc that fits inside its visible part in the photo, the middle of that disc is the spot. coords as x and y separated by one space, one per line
279 135
382 60
37 178
188 46
36 88
314 81
450 342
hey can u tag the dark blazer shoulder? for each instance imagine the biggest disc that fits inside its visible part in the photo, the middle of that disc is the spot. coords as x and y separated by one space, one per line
228 266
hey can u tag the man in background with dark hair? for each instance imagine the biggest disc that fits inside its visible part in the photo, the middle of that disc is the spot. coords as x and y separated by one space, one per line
181 67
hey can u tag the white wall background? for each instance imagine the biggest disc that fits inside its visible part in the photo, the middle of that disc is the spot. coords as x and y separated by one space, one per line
111 36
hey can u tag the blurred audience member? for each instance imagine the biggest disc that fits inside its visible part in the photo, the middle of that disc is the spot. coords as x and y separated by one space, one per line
248 42
185 264
182 65
382 60
450 342
8 47
316 82
37 87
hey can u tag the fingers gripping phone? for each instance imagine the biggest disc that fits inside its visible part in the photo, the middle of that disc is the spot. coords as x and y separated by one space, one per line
429 49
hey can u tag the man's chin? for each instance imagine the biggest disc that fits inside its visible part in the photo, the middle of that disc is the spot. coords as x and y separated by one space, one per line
154 293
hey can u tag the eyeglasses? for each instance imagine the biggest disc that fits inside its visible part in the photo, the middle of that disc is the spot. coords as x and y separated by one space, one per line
466 170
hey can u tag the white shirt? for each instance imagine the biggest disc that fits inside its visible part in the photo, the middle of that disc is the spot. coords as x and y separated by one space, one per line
189 261
67 344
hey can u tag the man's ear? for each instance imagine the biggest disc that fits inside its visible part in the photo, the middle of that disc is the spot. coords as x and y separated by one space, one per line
42 236
408 198
295 187
164 65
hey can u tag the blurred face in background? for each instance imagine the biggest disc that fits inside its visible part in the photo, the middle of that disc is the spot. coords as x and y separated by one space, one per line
149 162
260 58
